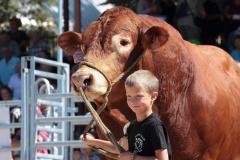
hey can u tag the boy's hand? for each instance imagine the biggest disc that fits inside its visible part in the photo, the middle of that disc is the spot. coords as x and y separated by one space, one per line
88 139
125 155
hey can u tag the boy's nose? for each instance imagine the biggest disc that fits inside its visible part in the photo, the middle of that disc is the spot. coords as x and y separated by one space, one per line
132 100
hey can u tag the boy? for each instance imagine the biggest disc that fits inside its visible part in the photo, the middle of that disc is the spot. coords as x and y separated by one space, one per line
147 137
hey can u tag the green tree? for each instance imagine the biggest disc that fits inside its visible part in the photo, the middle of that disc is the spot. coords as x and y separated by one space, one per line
37 11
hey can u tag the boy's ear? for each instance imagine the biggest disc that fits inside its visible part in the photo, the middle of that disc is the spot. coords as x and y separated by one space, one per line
154 96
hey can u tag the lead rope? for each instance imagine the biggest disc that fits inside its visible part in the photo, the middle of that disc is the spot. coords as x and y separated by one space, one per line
95 114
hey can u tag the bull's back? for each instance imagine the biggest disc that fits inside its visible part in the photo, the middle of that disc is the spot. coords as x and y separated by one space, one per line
217 83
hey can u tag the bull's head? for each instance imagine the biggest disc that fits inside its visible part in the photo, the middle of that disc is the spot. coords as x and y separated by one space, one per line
110 44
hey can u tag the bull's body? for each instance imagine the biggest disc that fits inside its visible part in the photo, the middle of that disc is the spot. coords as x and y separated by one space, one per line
199 95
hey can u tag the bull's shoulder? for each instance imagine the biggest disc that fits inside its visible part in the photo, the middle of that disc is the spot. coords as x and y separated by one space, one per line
212 57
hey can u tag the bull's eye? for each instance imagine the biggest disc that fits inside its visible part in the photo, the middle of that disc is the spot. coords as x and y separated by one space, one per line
124 42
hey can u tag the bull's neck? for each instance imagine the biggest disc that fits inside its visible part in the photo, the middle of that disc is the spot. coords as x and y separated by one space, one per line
175 73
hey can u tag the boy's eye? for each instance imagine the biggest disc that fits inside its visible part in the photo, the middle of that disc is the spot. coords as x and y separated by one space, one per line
139 96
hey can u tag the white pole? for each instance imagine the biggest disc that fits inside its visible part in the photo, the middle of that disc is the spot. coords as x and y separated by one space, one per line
60 83
60 26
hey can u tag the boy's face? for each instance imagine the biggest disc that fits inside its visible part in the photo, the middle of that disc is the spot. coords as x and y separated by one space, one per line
139 100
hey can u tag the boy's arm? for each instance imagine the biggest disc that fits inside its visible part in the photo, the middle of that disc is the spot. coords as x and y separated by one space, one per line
105 145
161 154
130 155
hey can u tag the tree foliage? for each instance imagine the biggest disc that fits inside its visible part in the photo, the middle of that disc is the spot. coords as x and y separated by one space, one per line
37 11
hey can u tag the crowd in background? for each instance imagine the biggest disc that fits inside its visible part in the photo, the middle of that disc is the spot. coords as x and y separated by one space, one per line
219 25
14 44
208 22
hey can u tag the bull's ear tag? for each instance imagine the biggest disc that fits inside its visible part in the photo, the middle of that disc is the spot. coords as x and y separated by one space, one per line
78 56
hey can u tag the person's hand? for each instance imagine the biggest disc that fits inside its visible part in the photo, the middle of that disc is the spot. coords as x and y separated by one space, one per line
16 112
125 155
88 139
39 138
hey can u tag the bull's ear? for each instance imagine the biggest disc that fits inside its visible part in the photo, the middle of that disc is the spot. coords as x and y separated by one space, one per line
69 41
154 37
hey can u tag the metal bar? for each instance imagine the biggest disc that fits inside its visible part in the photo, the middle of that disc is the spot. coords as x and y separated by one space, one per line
49 156
60 14
58 95
24 119
56 130
77 123
33 124
79 144
45 61
11 103
10 125
51 103
82 120
8 148
48 74
65 89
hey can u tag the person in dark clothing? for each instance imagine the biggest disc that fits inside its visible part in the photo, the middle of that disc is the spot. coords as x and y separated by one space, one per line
18 35
213 24
168 9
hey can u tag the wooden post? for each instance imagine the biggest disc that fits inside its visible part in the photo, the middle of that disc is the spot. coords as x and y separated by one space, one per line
66 15
77 15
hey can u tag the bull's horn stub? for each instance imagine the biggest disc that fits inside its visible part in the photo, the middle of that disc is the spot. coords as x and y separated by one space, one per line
78 56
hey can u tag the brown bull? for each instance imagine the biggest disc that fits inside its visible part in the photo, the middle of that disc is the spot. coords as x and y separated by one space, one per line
199 95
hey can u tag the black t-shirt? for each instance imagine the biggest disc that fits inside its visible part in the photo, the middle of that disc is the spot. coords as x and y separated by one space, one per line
147 136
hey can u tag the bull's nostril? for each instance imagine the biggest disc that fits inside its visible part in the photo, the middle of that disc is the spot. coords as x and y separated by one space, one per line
87 82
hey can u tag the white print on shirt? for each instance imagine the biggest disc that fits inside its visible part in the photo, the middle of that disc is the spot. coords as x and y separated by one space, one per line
139 139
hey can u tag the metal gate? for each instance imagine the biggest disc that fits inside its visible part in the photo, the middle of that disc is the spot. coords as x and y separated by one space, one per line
36 91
